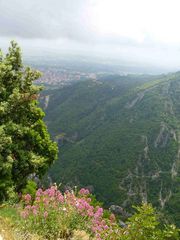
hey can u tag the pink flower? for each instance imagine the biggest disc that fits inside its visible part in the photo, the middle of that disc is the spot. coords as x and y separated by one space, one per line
53 200
28 207
90 212
45 200
27 198
52 191
34 207
24 214
88 200
98 213
112 218
45 214
60 197
35 212
39 192
84 191
38 199
106 227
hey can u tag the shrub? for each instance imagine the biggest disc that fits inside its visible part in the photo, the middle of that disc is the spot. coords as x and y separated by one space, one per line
54 215
30 188
144 225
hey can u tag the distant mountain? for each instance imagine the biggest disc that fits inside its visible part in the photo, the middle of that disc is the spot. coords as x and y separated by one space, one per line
121 136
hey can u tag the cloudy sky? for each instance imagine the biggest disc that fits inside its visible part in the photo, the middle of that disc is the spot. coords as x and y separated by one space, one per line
143 31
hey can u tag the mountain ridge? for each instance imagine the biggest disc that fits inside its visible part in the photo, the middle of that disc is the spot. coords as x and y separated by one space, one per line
120 136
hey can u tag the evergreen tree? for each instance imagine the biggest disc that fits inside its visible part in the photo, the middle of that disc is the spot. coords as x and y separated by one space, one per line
25 144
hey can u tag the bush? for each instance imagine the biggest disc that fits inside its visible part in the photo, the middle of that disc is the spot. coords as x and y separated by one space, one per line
53 215
30 188
144 225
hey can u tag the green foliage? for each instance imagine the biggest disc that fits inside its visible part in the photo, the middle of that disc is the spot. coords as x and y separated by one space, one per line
25 145
9 211
30 188
61 218
53 215
94 201
144 225
114 147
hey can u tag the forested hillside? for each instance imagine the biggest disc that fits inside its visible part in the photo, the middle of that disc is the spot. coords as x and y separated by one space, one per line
119 135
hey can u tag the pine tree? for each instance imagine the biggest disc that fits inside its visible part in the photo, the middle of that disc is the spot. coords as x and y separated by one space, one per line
25 144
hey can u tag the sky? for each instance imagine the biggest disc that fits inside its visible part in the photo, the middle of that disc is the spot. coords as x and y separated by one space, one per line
141 31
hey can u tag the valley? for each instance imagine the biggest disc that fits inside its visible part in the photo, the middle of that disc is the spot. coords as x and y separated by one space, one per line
119 136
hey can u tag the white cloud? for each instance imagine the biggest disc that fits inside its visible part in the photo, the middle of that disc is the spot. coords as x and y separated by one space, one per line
142 30
137 19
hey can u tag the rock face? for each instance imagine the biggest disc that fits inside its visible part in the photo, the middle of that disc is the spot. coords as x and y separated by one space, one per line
135 101
117 210
44 100
124 142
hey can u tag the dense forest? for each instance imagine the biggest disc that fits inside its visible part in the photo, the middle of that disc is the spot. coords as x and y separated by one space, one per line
119 136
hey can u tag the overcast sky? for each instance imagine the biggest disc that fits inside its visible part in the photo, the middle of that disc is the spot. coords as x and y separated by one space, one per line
144 31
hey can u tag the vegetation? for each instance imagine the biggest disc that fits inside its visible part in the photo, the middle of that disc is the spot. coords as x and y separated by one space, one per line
120 136
25 145
113 139
54 215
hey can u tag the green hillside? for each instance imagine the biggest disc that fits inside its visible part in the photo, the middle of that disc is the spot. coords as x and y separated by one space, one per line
121 136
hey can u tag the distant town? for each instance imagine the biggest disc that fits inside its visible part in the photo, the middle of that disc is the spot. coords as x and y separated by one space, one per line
63 76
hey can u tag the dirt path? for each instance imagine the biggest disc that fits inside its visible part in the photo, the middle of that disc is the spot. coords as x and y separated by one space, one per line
5 230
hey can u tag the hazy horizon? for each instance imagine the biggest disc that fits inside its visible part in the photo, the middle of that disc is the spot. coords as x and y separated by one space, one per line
141 32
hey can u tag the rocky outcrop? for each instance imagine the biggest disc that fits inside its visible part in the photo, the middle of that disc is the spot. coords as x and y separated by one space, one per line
176 163
162 137
164 198
131 104
117 210
46 101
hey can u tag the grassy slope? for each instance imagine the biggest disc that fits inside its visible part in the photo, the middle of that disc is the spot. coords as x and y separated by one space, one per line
11 230
8 217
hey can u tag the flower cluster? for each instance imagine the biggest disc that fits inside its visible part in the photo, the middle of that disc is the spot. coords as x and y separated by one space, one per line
53 215
52 204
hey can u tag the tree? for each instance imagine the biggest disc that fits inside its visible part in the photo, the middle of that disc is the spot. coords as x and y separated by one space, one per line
25 144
